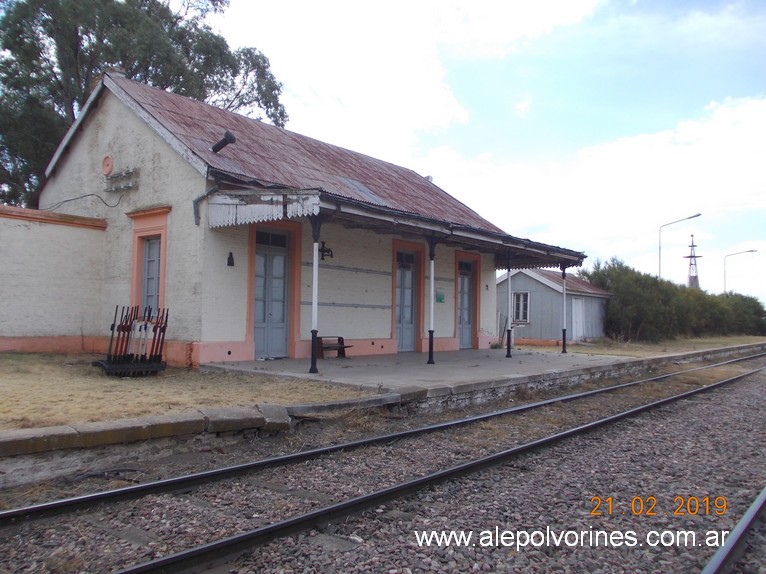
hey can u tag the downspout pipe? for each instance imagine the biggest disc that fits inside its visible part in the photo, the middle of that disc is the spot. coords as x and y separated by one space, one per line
198 200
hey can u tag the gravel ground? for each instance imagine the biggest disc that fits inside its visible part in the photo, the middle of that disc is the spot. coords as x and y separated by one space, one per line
532 493
754 558
711 446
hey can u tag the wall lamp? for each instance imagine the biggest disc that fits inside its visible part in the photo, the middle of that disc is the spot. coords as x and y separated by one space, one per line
325 251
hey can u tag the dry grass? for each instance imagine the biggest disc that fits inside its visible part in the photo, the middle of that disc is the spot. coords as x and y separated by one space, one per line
47 390
609 347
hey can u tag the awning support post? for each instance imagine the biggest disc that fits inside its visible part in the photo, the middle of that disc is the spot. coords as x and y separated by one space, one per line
316 225
509 326
431 257
563 308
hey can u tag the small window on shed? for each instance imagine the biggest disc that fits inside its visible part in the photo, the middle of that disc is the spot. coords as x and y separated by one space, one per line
521 307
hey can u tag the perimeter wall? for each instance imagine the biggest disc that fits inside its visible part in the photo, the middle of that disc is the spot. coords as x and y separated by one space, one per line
51 281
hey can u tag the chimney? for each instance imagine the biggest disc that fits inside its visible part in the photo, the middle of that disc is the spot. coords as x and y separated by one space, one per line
228 138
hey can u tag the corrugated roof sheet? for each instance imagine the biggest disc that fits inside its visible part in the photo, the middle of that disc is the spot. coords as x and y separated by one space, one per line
574 283
273 155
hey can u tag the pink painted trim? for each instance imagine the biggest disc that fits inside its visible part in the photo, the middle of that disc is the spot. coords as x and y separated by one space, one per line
442 344
41 216
66 344
538 342
419 250
295 241
148 223
175 353
474 259
217 352
361 348
486 341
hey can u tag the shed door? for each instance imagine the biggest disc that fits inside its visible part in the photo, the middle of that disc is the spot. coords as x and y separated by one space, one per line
270 295
578 319
465 308
405 301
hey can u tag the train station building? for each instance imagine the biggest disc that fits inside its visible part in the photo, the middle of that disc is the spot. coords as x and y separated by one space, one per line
261 243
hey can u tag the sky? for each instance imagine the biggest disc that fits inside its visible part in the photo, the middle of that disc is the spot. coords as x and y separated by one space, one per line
586 124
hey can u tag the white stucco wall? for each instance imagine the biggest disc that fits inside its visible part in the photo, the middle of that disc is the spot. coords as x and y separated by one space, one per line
444 283
51 278
224 297
488 311
355 286
163 178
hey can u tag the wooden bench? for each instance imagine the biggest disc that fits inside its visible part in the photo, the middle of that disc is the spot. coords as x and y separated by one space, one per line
331 343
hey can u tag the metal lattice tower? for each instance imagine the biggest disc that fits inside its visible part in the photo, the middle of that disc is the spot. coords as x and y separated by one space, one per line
694 280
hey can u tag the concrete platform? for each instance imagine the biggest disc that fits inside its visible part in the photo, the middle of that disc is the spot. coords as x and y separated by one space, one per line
391 373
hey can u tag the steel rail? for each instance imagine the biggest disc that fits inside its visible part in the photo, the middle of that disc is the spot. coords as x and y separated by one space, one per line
724 558
187 481
215 552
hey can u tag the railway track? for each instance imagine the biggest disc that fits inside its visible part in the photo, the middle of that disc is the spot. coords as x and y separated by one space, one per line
752 524
535 426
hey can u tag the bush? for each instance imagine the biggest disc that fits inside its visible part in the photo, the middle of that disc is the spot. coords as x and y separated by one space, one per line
645 308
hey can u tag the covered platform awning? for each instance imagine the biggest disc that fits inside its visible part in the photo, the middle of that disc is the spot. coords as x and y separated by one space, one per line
245 207
234 202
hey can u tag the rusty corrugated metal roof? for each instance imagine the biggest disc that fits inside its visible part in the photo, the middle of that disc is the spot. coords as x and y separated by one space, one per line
272 155
574 283
357 189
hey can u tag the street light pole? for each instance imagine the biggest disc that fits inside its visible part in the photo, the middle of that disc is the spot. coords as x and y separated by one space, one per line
659 249
724 265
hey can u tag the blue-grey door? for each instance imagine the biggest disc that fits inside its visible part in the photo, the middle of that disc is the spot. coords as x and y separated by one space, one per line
271 309
405 302
465 308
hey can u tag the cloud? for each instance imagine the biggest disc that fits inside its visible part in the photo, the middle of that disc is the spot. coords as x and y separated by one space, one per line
609 200
384 80
523 107
494 28
711 161
372 77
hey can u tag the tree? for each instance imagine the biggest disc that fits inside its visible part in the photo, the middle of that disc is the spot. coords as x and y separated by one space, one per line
54 50
645 308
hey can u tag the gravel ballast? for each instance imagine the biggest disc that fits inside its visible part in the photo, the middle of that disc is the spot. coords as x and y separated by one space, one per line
695 448
709 446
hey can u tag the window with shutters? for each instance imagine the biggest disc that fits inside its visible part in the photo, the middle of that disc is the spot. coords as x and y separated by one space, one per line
521 307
